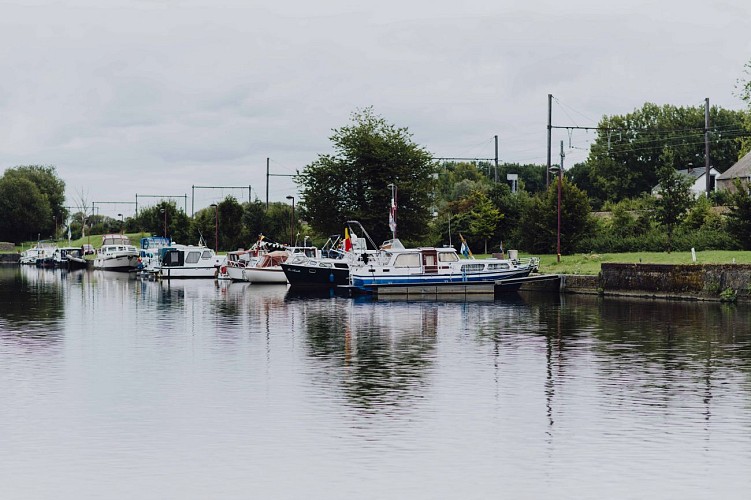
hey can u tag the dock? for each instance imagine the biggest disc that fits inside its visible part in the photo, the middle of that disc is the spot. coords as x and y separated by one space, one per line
463 289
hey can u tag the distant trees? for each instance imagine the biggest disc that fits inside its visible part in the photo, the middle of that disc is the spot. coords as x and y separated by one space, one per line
626 155
31 203
674 197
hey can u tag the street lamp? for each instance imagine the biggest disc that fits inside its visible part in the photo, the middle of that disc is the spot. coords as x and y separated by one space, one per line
165 220
216 227
122 222
556 170
293 220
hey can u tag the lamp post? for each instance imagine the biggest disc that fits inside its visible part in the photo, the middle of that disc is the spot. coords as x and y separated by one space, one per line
122 222
216 227
556 170
165 220
292 238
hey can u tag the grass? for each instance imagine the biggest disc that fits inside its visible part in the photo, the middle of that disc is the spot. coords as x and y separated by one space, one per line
591 263
569 264
95 240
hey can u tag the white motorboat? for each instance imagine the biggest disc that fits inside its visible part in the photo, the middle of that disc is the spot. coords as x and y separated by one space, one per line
39 251
433 266
69 258
268 269
236 262
187 261
116 254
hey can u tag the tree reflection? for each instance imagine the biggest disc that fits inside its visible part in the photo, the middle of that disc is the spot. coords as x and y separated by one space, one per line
31 304
377 353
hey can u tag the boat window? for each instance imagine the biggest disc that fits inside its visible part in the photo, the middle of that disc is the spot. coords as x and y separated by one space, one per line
192 257
472 268
407 260
172 258
448 257
499 266
206 254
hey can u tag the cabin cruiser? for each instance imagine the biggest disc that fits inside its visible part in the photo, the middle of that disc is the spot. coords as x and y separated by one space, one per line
186 261
69 258
116 254
268 269
433 266
338 257
39 251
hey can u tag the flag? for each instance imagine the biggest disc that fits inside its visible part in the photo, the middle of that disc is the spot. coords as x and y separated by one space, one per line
392 215
465 249
347 241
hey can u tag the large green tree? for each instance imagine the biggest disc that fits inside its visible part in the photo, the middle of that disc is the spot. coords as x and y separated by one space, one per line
34 201
353 182
674 197
24 211
539 222
739 216
627 152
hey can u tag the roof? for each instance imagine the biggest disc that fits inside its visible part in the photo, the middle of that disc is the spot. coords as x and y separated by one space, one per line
741 168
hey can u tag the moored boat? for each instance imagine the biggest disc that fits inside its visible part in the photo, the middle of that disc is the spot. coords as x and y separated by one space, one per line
268 269
116 254
187 261
39 251
436 266
333 270
69 258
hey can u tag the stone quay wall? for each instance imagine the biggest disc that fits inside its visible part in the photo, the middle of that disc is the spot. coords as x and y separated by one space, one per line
686 281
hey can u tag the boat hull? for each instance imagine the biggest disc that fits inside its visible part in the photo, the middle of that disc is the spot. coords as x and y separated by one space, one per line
273 275
121 263
313 276
367 283
178 272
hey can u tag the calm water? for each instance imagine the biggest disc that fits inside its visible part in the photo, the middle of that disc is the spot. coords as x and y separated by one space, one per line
116 388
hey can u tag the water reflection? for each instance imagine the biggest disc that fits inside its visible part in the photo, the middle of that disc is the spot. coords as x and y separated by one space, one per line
32 302
238 384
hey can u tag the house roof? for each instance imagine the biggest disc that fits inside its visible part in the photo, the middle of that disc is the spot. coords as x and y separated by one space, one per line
741 168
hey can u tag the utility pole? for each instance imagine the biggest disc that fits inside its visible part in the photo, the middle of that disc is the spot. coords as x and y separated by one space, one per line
267 183
496 159
706 145
550 129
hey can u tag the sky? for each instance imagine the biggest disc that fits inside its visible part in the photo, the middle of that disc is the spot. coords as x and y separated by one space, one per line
150 98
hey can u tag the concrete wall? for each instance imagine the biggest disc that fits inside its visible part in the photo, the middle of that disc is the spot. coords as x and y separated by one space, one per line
693 281
9 258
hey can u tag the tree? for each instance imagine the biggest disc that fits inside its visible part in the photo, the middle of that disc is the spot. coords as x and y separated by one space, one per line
164 219
483 219
674 197
24 211
539 223
353 183
50 186
739 215
628 149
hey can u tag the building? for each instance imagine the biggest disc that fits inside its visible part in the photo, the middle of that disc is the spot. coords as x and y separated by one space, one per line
740 170
699 184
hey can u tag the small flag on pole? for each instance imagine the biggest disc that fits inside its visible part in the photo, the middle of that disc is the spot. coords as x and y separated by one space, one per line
347 241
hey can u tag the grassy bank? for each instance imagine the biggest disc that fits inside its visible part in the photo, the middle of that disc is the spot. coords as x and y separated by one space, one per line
590 263
94 239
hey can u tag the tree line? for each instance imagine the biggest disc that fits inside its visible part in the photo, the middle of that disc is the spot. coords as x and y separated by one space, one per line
607 204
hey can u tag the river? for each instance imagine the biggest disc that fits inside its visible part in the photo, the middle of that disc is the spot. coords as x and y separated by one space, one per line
115 388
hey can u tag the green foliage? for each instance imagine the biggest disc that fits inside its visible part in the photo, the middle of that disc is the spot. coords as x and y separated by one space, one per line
24 211
353 183
539 223
674 197
628 149
163 219
31 202
739 215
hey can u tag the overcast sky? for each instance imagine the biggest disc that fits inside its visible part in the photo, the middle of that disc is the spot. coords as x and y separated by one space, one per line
152 97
